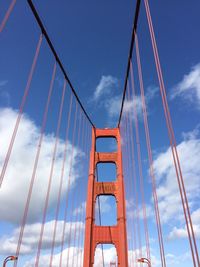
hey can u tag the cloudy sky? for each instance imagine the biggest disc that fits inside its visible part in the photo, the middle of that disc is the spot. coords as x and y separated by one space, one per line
92 40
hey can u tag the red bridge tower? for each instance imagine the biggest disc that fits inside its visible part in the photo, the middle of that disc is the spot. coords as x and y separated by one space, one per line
94 234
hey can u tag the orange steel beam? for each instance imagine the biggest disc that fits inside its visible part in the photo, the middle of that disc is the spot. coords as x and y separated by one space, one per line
116 234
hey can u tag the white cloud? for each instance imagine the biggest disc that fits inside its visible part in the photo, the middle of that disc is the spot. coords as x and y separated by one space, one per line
80 209
168 192
4 94
105 205
182 232
45 259
131 210
167 188
135 103
178 233
135 254
13 192
106 84
178 260
3 83
189 87
192 134
172 259
113 105
32 235
109 253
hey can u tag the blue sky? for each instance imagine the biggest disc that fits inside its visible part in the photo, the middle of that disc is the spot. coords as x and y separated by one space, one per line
92 40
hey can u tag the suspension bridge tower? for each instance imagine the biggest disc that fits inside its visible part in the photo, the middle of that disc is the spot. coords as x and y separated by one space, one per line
95 234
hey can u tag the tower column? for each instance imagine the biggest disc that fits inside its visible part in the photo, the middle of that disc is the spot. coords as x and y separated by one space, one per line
94 234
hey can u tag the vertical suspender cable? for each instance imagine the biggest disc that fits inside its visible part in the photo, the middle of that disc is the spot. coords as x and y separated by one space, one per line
72 196
173 145
134 178
122 128
5 164
68 189
161 245
78 191
50 176
79 260
83 214
132 221
61 179
139 162
81 207
7 15
35 165
133 186
128 174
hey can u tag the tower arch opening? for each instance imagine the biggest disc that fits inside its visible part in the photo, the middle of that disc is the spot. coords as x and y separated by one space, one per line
106 210
105 255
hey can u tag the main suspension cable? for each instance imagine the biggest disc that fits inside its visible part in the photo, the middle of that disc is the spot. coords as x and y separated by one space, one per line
134 30
60 64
